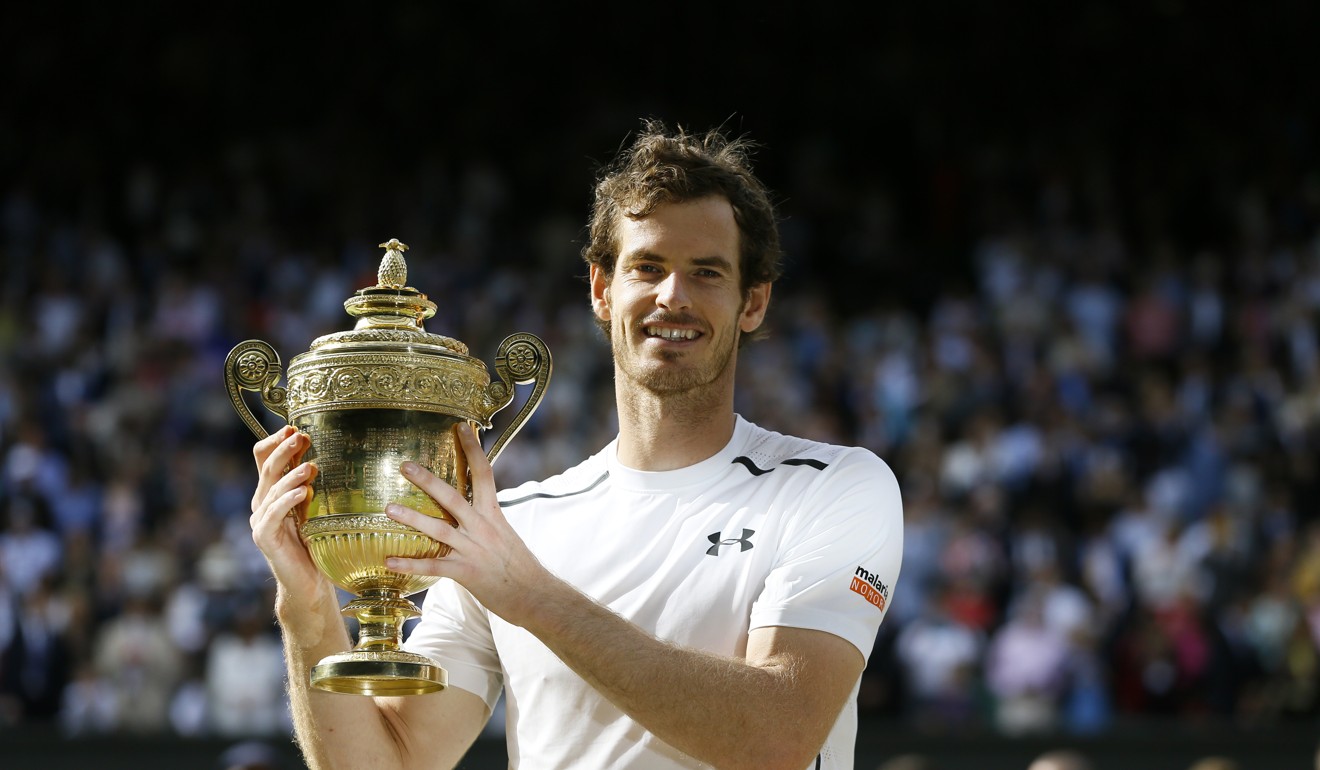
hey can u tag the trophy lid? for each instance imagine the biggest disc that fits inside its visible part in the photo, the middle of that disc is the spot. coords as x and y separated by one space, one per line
391 311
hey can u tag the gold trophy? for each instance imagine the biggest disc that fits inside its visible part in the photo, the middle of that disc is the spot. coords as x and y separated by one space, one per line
370 398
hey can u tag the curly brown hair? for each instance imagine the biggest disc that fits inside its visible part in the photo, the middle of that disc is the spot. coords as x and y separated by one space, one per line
675 167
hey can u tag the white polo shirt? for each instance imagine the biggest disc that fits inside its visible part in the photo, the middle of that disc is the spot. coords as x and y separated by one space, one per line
771 531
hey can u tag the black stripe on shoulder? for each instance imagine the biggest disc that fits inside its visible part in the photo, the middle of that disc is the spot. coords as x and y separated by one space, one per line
750 466
817 762
755 471
585 489
817 464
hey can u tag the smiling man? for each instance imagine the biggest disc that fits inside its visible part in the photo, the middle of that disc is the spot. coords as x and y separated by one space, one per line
702 592
680 259
674 312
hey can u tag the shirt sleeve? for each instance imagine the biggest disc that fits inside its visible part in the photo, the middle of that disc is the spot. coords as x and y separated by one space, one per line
839 562
455 632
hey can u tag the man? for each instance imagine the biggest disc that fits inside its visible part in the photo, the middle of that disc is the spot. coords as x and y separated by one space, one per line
701 592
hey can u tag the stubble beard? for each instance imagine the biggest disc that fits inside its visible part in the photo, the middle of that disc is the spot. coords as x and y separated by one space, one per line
672 381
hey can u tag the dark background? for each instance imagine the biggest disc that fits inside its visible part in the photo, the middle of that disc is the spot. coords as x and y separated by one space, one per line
959 110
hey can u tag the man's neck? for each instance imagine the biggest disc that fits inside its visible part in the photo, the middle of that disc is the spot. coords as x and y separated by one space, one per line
664 433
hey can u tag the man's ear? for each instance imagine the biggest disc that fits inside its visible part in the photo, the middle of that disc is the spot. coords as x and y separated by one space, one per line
754 308
600 293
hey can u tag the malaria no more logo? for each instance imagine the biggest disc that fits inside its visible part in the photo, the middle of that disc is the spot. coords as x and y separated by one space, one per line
870 587
744 542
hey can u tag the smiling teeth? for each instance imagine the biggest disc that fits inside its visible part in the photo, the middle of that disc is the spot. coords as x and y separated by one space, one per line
671 334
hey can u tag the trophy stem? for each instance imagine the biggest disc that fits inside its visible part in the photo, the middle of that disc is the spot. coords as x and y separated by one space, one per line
376 665
381 613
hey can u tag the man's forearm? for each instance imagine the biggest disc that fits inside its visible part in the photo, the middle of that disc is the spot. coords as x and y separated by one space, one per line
723 711
333 731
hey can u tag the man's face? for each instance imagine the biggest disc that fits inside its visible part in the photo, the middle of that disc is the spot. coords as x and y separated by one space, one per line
673 302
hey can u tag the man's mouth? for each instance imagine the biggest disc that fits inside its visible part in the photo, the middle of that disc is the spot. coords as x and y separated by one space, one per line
671 334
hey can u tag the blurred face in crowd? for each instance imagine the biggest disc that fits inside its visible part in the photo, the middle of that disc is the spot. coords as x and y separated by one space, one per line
673 302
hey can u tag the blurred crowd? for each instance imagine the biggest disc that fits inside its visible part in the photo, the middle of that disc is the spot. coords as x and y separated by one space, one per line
1104 412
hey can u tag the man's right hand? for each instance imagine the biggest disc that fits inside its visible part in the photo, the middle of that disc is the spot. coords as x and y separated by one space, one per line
279 508
336 730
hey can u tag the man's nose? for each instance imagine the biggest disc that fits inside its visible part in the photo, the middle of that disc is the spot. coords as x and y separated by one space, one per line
673 292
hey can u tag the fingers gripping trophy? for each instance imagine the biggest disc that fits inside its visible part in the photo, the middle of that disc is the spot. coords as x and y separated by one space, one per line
369 399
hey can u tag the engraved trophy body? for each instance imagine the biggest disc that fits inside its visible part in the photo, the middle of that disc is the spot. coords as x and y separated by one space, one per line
369 399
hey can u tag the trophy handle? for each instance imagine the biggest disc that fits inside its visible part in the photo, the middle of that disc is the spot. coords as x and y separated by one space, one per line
254 365
521 358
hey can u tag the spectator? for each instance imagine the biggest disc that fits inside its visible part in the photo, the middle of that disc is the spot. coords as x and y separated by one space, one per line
140 664
36 665
941 660
1026 669
30 552
89 705
245 675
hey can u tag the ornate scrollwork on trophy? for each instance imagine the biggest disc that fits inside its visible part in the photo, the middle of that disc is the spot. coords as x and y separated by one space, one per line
384 656
355 546
354 523
521 359
391 335
381 381
254 365
251 368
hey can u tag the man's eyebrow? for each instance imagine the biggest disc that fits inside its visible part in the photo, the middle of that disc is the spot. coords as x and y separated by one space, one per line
646 255
640 256
715 261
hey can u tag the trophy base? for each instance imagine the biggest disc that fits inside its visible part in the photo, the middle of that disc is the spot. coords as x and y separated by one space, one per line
379 672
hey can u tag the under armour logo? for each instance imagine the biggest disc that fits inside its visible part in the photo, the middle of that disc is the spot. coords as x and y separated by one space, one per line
744 542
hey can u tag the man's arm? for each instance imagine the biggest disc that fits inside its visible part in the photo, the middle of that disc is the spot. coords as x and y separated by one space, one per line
771 709
335 730
350 731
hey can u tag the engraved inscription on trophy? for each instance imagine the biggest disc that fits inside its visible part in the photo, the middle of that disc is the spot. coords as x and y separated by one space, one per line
329 442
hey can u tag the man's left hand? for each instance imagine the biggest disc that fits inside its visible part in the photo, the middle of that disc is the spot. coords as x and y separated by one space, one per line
487 556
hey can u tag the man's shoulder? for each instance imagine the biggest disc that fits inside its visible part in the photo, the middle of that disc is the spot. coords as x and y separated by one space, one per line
766 448
580 479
